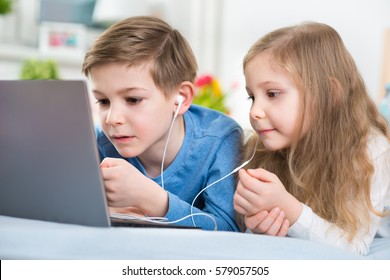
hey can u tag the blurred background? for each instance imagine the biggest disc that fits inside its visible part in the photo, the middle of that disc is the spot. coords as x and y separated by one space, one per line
48 38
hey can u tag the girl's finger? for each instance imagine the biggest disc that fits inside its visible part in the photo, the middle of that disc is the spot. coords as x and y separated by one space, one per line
284 228
252 222
263 175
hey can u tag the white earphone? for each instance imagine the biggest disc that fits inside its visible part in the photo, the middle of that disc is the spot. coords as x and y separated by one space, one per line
179 101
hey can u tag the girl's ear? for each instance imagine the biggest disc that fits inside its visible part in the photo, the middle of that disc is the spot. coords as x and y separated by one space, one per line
186 91
336 91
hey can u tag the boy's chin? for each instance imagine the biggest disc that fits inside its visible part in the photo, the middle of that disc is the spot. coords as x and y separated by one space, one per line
127 153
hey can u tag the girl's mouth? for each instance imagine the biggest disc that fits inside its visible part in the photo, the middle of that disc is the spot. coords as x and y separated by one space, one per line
265 131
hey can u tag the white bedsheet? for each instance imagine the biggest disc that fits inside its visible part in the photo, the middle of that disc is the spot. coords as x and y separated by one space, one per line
31 239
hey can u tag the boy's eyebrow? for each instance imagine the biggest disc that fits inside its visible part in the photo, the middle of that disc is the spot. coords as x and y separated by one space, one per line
121 91
97 92
125 90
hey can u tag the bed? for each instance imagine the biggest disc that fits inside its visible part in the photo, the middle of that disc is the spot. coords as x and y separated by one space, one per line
32 239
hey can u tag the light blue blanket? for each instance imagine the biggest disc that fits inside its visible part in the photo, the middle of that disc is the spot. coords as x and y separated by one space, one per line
30 239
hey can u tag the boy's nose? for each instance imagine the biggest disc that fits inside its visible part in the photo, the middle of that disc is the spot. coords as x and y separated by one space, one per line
115 117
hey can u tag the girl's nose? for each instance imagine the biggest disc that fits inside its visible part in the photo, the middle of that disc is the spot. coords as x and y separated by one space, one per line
257 113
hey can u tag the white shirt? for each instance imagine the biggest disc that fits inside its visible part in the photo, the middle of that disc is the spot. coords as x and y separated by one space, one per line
312 227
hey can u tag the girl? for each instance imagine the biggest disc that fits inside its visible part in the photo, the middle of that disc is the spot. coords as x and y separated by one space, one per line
321 169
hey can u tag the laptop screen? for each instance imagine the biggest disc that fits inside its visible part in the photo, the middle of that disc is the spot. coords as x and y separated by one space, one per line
49 165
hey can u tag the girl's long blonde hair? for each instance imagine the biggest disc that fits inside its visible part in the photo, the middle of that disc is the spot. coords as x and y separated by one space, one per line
329 168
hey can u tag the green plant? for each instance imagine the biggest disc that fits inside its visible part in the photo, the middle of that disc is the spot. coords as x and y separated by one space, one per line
33 69
5 7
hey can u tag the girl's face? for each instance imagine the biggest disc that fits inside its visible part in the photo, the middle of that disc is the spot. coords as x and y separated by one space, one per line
275 112
134 114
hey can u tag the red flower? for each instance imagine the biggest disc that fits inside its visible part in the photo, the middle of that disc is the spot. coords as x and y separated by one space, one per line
204 80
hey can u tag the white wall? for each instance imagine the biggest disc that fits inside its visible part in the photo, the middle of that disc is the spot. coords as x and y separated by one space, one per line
361 24
221 32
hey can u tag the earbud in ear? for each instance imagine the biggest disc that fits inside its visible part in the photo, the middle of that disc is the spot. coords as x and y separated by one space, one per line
179 101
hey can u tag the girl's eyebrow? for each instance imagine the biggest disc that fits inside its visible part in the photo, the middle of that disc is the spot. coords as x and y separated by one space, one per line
265 83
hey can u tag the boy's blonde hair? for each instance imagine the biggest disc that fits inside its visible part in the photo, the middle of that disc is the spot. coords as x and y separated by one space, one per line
329 169
143 39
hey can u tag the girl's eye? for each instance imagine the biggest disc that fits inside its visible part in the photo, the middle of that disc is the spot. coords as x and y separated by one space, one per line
133 100
273 94
102 101
251 97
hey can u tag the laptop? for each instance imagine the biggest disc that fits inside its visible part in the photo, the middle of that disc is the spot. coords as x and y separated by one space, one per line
49 162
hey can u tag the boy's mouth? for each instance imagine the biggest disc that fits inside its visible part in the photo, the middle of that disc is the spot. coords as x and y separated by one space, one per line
121 138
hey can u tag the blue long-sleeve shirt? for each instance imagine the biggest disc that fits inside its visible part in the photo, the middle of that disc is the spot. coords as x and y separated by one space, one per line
210 150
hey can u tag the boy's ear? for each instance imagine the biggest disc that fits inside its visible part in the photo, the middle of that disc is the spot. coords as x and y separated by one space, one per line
186 91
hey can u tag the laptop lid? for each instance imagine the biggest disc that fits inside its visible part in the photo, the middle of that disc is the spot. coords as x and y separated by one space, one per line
49 163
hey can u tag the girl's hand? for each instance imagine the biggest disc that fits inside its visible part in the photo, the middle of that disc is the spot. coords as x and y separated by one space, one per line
259 190
126 186
270 223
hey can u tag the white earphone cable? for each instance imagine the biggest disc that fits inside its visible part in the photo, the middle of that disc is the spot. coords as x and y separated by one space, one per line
162 220
165 151
224 177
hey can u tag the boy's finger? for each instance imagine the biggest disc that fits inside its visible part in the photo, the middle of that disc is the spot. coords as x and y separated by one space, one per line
107 173
111 162
107 162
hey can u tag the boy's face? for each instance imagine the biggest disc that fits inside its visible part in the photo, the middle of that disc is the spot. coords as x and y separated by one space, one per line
134 114
275 112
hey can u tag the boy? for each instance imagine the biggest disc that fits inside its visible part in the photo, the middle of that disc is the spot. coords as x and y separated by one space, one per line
142 74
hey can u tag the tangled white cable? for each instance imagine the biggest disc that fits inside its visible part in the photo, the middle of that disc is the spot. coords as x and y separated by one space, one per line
163 220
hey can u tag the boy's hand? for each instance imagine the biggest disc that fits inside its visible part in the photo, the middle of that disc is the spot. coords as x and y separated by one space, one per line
270 223
126 186
119 180
126 210
259 190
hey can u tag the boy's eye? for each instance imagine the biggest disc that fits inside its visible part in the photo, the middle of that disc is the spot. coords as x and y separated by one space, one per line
133 100
102 101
